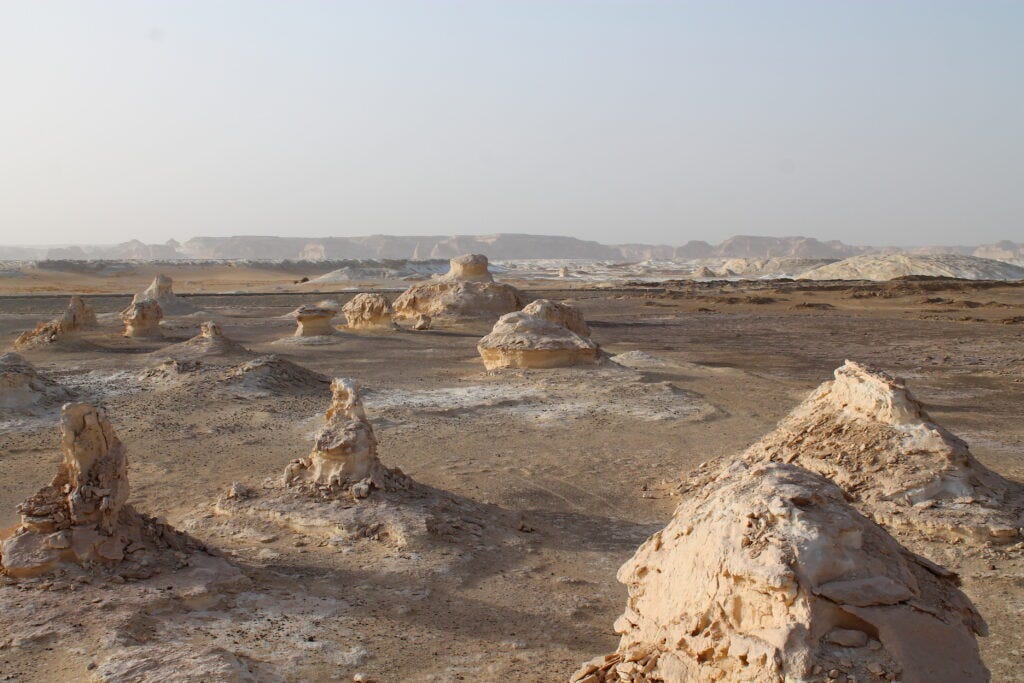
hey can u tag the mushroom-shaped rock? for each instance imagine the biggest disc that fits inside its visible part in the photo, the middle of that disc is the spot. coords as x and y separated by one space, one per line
458 300
521 340
161 290
345 450
560 314
23 389
767 574
468 268
865 431
369 312
142 319
313 321
77 317
82 517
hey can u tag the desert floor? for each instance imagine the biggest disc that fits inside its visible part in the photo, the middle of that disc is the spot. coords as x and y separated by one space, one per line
578 463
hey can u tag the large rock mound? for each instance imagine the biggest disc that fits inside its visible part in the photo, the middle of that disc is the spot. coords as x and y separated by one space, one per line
77 317
23 390
83 517
866 432
369 312
522 340
767 574
161 291
272 374
467 291
314 321
560 314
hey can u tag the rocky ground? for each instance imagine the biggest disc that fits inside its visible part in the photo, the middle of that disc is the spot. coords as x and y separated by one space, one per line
573 468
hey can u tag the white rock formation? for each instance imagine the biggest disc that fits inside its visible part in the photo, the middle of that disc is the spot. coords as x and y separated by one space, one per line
77 317
889 266
458 300
142 319
210 341
560 314
314 321
766 574
23 390
82 516
161 291
369 312
521 340
866 432
468 268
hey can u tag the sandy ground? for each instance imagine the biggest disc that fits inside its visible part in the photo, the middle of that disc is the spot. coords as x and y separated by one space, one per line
582 461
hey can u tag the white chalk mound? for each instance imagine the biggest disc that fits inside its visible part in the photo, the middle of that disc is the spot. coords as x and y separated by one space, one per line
82 517
77 317
211 341
369 312
866 432
24 390
766 574
468 268
161 290
466 291
560 314
272 374
522 340
142 319
889 266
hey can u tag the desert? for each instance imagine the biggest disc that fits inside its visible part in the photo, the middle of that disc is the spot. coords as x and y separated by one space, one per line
425 518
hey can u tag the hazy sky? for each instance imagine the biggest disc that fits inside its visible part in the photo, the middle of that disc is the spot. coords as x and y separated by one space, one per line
879 122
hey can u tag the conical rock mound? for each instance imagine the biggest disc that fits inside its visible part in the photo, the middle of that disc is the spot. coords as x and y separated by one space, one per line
867 433
23 390
82 517
767 574
210 341
77 317
161 290
273 374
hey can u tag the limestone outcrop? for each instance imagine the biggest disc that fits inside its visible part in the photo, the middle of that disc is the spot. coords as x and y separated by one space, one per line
314 321
369 312
211 341
560 314
866 432
468 268
82 517
521 340
142 319
466 291
77 317
23 390
161 290
767 574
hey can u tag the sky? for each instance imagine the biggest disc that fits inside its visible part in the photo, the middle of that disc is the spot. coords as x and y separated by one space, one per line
874 122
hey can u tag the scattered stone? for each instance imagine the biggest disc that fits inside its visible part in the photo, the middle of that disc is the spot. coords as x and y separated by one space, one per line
736 588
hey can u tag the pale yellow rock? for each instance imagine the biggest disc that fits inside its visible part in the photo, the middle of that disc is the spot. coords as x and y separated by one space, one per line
747 584
458 300
142 319
469 268
866 431
161 290
521 340
369 311
77 317
560 314
313 321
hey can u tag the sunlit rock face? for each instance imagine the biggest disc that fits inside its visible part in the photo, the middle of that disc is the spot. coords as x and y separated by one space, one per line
458 300
161 290
314 321
542 335
77 317
469 268
767 573
369 312
865 431
142 319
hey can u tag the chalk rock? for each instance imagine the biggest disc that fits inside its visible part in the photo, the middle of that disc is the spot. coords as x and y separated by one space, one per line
865 431
563 272
560 314
23 390
758 575
313 321
422 322
142 319
458 300
521 340
369 312
77 317
82 516
210 341
161 291
468 268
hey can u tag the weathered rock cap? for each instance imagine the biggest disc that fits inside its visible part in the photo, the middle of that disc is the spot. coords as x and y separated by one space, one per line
767 573
521 340
559 313
469 268
369 311
313 320
142 319
458 300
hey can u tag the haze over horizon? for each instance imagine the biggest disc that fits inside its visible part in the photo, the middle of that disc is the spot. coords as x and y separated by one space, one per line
653 122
